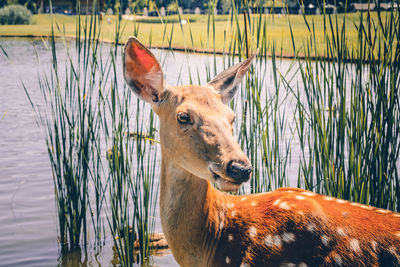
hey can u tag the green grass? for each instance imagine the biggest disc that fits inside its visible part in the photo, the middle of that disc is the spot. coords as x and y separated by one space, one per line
196 31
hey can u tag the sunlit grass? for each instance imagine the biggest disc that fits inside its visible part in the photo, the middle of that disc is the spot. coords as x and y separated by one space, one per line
277 30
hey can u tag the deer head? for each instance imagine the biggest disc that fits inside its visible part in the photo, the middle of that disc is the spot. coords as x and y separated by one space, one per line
196 124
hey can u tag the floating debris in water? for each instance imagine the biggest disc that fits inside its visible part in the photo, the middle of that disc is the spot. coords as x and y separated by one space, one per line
145 136
328 109
157 240
110 154
137 135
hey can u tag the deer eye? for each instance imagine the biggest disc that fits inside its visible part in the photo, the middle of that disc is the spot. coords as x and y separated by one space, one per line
183 118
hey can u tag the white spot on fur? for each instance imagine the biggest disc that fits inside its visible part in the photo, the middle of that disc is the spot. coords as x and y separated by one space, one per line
301 213
253 204
366 207
396 215
252 231
221 226
276 202
307 193
341 201
284 206
271 241
244 264
383 211
230 205
227 260
311 227
288 237
300 197
397 234
287 264
277 241
233 213
329 198
341 231
354 245
289 191
354 204
374 245
338 259
243 198
230 237
325 240
392 250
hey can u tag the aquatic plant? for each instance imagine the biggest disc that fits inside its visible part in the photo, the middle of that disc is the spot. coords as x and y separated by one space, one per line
83 110
14 15
348 111
69 118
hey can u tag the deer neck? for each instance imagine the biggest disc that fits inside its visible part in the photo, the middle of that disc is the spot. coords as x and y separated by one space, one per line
191 214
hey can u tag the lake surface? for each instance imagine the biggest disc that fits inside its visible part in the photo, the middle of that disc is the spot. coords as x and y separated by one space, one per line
28 219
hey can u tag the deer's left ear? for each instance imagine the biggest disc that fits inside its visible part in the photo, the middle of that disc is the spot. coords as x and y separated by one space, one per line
227 82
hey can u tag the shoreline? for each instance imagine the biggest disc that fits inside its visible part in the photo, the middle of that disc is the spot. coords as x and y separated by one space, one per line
173 48
193 50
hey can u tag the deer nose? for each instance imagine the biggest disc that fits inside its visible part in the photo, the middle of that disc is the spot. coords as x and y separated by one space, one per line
239 171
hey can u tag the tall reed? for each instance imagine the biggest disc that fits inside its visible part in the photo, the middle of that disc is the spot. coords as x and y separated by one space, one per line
84 117
69 117
131 174
348 111
132 165
263 126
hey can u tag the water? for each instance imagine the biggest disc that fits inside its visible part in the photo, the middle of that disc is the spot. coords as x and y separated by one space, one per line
28 232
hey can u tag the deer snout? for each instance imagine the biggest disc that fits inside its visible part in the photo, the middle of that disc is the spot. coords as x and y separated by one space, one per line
239 171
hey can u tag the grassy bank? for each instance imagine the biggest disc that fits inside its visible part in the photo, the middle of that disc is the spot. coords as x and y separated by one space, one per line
197 31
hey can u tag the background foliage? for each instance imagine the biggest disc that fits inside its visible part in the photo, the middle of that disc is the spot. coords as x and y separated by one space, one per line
15 14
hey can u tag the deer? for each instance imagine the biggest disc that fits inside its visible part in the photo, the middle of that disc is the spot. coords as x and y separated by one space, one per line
205 226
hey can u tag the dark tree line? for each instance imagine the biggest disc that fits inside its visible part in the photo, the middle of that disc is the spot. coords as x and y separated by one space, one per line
37 6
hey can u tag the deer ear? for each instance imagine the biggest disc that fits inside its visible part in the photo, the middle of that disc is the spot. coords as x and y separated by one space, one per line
227 82
142 72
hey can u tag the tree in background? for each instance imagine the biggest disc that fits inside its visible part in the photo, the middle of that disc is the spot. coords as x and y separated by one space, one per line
38 6
32 5
225 5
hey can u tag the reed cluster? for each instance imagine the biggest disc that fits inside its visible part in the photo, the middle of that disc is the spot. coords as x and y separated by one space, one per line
104 175
348 111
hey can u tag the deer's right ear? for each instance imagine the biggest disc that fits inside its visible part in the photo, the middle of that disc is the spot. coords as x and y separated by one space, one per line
142 72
